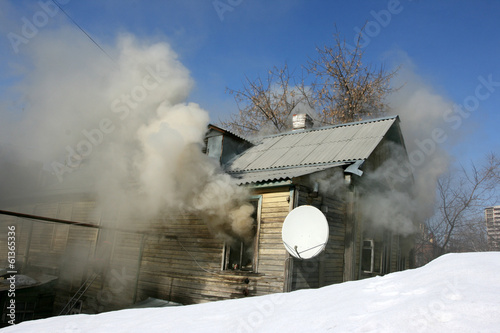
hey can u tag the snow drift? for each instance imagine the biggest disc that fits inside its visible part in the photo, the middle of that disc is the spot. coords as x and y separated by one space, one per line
454 293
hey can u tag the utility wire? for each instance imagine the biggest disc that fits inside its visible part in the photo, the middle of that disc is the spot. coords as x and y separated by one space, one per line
194 259
83 30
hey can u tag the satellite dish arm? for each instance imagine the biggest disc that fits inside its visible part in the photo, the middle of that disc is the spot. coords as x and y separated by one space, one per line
297 251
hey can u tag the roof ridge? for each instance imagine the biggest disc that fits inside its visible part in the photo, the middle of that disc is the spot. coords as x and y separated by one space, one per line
374 120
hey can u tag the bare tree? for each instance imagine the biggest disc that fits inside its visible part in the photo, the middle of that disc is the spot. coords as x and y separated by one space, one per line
461 199
267 103
343 90
346 90
471 237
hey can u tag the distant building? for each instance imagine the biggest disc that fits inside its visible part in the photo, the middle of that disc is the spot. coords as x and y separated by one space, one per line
492 216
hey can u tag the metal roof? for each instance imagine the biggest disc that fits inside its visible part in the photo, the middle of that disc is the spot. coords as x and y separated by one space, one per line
301 152
224 131
277 175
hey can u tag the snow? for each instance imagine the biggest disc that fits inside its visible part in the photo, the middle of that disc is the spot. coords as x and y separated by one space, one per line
454 293
20 281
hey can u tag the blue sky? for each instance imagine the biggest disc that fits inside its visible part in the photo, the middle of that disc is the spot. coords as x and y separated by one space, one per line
451 44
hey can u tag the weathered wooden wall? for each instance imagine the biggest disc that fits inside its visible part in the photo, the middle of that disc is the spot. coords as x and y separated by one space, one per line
176 258
182 263
169 270
327 268
272 255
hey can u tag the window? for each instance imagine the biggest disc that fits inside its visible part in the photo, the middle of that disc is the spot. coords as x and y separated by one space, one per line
367 256
385 260
240 255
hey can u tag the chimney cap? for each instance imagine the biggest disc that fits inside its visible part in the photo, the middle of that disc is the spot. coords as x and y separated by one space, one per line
302 121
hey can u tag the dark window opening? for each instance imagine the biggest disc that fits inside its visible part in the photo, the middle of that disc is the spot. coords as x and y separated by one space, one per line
385 260
240 255
367 256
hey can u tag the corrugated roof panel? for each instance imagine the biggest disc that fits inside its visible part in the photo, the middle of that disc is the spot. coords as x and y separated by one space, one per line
287 140
325 153
266 144
268 158
357 149
314 137
367 146
242 161
293 156
347 142
377 129
342 133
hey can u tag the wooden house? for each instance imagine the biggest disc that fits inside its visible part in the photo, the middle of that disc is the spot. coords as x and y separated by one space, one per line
178 260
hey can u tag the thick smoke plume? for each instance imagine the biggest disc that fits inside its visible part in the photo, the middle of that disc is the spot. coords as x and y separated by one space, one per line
401 192
120 128
412 176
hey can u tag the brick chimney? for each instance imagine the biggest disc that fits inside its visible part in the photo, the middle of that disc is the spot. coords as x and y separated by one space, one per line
302 121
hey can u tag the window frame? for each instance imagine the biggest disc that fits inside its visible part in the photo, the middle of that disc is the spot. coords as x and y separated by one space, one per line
226 249
371 248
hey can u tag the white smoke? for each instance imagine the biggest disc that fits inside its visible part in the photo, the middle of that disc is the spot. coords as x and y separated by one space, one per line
422 111
401 192
411 175
122 129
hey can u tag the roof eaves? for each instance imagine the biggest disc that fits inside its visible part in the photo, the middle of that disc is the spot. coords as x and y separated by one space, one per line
332 164
282 173
224 131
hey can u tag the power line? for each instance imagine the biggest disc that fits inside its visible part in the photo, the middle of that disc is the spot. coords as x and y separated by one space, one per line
83 30
48 219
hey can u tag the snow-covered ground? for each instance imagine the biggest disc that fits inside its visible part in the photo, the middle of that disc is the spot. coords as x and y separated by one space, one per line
454 293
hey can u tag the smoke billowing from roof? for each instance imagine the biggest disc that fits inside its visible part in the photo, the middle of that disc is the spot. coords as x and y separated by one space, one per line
412 175
422 111
401 191
121 129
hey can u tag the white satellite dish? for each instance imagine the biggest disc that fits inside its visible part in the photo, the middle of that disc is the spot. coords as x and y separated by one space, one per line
305 232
